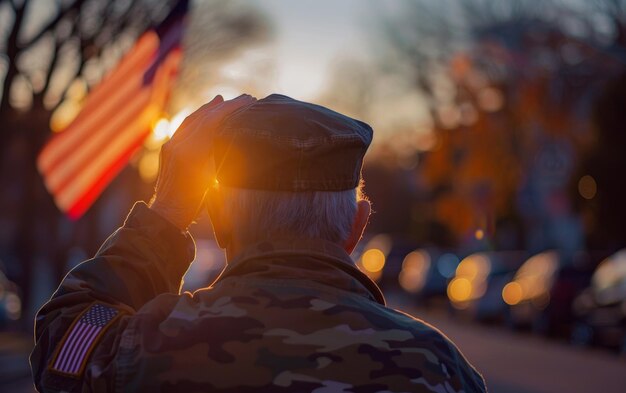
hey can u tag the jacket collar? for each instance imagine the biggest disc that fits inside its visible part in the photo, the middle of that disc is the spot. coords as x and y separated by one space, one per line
308 259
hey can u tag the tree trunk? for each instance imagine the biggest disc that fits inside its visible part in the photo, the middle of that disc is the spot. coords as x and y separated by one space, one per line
37 234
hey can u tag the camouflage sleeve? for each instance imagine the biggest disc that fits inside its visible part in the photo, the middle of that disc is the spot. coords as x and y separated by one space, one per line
146 257
471 379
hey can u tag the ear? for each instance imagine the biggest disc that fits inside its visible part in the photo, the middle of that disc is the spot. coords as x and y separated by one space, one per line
221 229
363 211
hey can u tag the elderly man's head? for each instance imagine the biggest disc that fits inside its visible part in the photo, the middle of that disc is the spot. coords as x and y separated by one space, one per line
289 169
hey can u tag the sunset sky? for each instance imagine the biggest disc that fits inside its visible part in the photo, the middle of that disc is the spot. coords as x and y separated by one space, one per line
309 36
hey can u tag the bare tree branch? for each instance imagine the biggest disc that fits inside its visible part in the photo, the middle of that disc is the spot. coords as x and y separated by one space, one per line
74 8
91 46
11 53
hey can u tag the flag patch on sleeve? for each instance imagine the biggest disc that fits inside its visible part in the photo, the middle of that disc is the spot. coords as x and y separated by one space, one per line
81 338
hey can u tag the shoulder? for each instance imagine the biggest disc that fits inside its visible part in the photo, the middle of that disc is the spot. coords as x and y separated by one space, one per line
418 327
433 345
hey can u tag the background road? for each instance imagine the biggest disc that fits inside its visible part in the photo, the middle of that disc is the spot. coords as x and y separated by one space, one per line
518 363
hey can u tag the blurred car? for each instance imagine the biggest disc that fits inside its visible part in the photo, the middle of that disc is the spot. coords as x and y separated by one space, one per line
394 263
400 248
371 255
541 293
600 309
425 273
475 290
381 258
10 302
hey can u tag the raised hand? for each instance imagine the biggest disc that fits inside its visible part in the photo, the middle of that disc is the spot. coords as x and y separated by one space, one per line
185 162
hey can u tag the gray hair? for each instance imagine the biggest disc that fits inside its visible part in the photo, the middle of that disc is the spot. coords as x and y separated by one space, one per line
258 214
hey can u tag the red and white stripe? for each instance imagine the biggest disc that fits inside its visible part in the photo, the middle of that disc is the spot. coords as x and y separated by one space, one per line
75 349
78 163
82 337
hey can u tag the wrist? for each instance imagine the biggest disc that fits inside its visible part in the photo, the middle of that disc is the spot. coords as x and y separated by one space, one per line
178 217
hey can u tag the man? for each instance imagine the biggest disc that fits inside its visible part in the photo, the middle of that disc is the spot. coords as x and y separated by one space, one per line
290 313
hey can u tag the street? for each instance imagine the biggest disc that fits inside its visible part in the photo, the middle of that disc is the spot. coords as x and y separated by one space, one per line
520 363
15 374
510 362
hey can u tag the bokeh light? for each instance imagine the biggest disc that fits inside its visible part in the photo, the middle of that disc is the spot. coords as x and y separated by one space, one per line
373 260
587 187
470 280
512 293
490 99
13 306
533 280
460 289
149 166
414 271
610 278
502 138
475 266
161 129
446 264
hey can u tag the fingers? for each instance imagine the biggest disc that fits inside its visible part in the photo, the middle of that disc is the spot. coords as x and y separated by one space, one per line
214 117
210 118
218 99
192 121
218 104
209 115
231 105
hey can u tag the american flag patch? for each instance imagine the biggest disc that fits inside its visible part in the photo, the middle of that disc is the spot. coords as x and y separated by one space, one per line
81 338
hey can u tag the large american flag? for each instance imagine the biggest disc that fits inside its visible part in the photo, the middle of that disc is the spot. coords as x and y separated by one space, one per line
81 338
79 162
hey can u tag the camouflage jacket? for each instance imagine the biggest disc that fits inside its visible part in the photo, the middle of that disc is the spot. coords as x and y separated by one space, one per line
282 317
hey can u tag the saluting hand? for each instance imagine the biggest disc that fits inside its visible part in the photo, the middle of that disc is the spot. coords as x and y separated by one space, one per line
185 162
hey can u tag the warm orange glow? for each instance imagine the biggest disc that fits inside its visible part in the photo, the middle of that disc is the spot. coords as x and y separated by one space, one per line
587 187
77 90
479 288
449 116
63 115
164 129
149 166
533 279
373 260
161 129
381 241
490 99
177 120
479 234
416 260
375 276
414 271
475 266
410 280
470 280
460 289
512 293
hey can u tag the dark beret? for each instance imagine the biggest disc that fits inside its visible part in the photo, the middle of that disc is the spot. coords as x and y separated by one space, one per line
282 144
